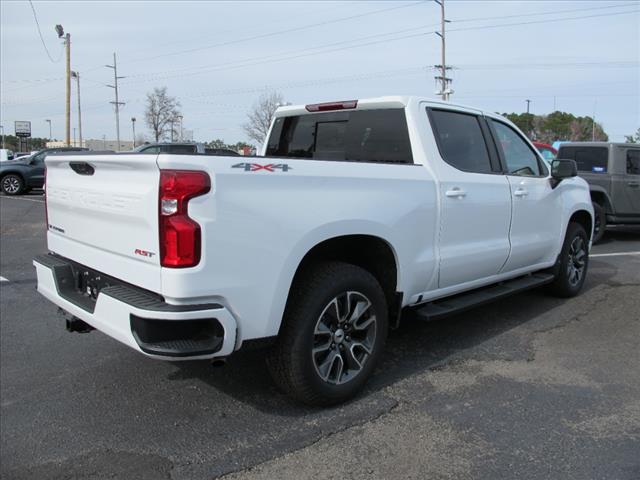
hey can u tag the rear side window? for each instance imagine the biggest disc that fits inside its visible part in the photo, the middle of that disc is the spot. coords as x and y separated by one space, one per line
361 136
633 162
589 159
460 141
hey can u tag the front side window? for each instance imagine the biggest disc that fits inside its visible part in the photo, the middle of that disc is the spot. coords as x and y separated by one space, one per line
519 158
360 136
633 162
460 141
150 150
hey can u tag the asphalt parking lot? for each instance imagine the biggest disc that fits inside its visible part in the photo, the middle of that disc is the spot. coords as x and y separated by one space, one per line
531 387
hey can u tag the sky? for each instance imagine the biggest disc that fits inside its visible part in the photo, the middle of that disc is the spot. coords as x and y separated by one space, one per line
217 58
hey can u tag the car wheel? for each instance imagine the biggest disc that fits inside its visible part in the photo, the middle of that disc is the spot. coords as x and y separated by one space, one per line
333 332
574 262
599 222
12 184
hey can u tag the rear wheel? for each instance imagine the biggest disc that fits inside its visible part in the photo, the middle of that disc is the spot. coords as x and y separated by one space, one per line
12 184
574 261
333 333
599 222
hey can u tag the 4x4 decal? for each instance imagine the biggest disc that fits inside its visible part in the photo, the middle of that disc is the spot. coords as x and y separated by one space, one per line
271 167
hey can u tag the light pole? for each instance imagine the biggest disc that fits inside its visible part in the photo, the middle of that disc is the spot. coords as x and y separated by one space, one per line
67 42
74 136
76 75
133 126
49 122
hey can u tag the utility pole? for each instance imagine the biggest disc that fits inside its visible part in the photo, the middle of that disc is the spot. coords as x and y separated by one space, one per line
180 118
74 137
67 42
445 82
117 103
593 122
49 122
76 75
133 125
529 125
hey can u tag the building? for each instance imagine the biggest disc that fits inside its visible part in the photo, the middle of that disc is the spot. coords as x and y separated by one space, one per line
96 145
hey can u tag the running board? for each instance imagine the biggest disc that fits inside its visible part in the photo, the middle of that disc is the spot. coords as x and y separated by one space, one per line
464 301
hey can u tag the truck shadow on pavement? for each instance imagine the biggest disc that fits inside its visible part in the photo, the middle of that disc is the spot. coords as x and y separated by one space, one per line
415 347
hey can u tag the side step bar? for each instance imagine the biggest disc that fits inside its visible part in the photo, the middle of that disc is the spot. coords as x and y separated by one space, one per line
464 301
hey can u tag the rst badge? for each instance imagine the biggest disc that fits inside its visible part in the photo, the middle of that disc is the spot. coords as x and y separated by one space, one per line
143 253
254 167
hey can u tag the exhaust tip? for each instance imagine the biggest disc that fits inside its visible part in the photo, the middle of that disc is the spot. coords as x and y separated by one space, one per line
218 362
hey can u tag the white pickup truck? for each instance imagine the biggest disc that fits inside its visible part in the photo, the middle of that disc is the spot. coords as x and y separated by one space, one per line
354 213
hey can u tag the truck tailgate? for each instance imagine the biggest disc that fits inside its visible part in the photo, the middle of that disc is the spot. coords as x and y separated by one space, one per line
102 212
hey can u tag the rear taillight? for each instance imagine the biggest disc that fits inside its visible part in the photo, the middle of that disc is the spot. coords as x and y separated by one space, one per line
179 234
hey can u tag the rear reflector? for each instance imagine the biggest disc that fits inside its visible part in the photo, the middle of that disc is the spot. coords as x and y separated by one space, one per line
179 235
325 107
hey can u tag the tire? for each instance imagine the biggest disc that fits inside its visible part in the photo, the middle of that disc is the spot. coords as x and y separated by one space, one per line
12 184
599 223
322 357
574 263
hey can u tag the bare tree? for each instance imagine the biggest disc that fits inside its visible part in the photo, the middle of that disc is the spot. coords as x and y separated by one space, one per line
161 113
259 119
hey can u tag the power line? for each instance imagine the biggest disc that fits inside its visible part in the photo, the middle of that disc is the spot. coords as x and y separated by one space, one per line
262 60
535 14
208 68
35 17
271 34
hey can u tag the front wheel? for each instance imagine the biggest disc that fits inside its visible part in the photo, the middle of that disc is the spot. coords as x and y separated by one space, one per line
574 261
333 333
12 184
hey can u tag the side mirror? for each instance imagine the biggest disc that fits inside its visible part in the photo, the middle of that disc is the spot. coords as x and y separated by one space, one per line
561 169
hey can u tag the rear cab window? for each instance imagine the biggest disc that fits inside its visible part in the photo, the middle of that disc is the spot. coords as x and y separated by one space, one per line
354 136
588 159
461 141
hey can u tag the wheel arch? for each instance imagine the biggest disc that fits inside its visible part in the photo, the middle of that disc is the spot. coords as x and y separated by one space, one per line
369 252
599 195
584 218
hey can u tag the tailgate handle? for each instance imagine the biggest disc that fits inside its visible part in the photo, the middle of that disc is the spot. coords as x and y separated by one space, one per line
82 168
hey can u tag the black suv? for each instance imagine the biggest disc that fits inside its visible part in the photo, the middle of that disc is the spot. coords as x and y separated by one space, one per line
20 176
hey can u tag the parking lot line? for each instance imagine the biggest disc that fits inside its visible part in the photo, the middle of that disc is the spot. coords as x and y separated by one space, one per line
2 279
25 199
618 254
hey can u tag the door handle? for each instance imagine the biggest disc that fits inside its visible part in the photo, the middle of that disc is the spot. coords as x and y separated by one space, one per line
634 184
455 192
521 192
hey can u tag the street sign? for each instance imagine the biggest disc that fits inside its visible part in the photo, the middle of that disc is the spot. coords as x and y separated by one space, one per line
23 129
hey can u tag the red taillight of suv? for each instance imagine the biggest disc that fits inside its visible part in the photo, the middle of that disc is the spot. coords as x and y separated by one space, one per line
179 235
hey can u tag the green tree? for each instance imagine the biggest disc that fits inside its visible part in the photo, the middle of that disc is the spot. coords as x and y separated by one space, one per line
633 138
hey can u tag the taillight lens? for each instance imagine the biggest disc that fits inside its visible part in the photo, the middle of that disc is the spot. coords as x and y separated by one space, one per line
180 235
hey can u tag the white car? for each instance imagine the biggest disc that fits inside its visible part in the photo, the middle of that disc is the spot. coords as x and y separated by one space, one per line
6 155
355 212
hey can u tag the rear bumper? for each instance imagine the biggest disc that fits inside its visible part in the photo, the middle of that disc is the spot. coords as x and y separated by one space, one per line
137 318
